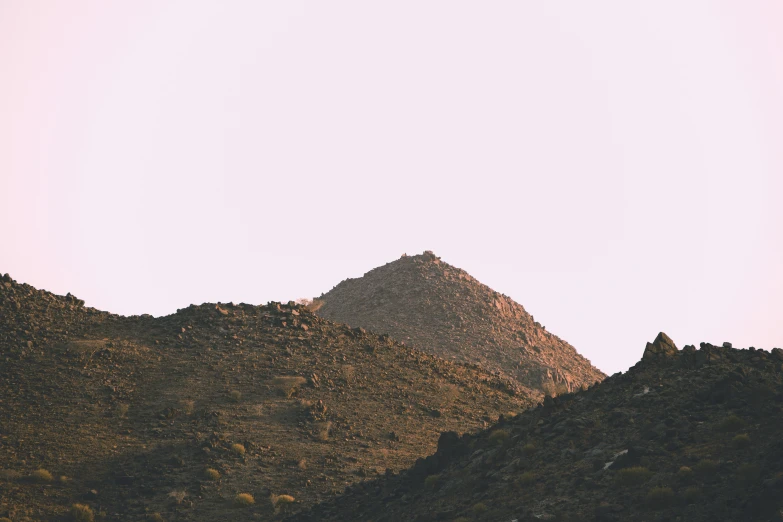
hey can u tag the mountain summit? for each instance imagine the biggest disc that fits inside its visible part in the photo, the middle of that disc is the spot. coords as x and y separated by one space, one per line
435 307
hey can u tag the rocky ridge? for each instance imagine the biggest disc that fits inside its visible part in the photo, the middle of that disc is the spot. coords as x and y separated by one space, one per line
431 305
691 434
170 418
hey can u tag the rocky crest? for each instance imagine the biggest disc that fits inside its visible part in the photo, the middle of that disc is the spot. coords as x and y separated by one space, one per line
683 435
433 306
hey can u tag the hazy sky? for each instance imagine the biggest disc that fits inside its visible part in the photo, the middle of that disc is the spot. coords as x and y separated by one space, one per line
614 166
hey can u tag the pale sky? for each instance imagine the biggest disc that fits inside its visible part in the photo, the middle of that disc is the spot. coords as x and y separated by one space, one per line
614 166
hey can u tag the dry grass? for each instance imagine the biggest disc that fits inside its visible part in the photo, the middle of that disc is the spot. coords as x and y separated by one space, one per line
741 441
633 476
41 475
82 513
498 437
288 385
660 497
239 449
244 499
188 407
281 502
322 430
212 474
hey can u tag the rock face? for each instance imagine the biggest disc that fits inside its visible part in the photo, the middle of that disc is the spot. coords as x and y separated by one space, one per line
683 435
441 309
273 399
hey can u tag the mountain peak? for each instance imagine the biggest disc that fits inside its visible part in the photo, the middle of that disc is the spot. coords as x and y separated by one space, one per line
436 307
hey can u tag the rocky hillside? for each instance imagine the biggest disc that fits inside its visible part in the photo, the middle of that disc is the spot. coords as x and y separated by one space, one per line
438 308
178 417
690 435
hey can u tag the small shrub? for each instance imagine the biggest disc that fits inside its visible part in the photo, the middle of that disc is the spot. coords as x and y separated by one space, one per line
692 494
156 517
322 430
63 479
528 449
235 396
633 476
748 473
212 474
244 499
239 449
498 437
526 478
178 495
660 497
81 513
706 467
731 423
281 502
188 407
685 474
41 475
741 441
479 508
431 482
288 385
122 410
462 519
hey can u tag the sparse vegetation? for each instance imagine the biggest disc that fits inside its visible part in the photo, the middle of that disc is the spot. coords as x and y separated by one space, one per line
188 406
706 467
244 499
122 409
498 437
731 423
235 396
322 430
212 474
528 449
660 497
479 508
288 385
633 476
156 517
431 482
281 502
691 494
41 475
741 441
82 513
526 478
237 448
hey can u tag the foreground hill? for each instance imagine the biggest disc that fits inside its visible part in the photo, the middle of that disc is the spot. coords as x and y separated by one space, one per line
170 418
438 308
691 435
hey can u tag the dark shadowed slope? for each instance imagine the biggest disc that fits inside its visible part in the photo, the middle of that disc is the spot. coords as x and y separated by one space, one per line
691 435
438 308
134 411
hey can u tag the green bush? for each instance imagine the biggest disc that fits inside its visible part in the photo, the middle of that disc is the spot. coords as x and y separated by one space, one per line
692 494
741 441
660 497
498 437
731 423
81 513
633 476
706 467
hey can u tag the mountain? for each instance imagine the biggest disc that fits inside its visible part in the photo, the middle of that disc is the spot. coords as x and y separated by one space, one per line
441 309
683 435
174 418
